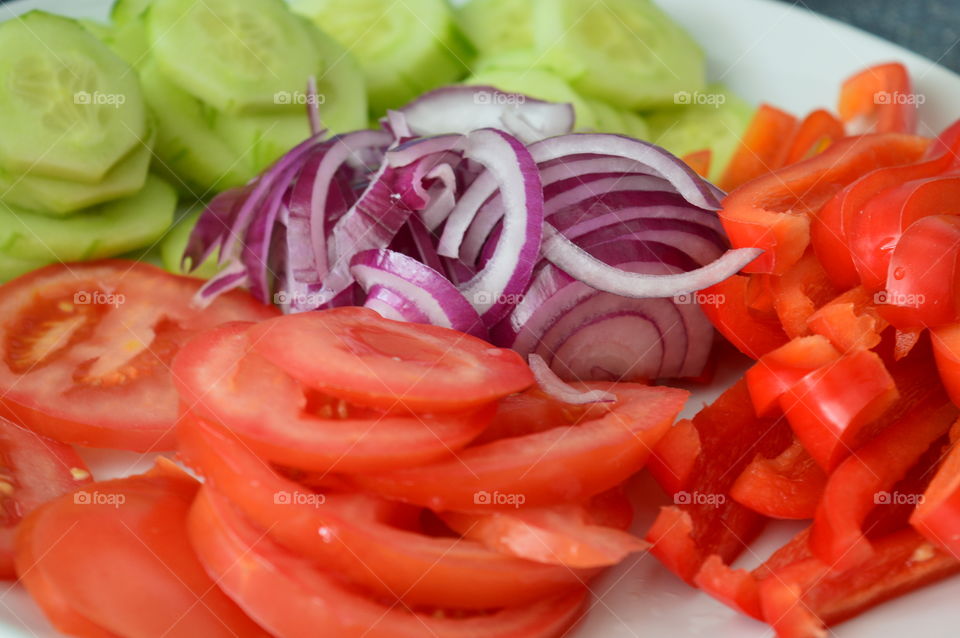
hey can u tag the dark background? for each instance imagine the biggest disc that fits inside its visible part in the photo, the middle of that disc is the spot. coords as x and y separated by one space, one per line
929 27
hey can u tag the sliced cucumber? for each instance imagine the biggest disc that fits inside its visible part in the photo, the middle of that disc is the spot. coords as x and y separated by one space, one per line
11 267
129 41
716 122
611 119
98 29
627 52
495 26
175 242
124 11
61 197
405 48
102 231
69 107
540 84
235 55
342 86
186 144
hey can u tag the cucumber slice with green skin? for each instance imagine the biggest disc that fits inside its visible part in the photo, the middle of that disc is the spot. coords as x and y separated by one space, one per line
611 119
235 55
102 231
342 104
11 267
186 144
627 52
124 11
493 26
175 242
717 122
69 107
540 84
129 41
405 48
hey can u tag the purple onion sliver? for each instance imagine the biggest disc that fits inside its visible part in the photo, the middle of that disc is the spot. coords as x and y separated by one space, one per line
556 388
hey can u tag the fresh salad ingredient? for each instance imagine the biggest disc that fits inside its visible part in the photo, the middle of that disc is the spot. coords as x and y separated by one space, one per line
85 350
175 243
876 101
405 49
35 470
497 26
449 229
292 596
79 555
762 148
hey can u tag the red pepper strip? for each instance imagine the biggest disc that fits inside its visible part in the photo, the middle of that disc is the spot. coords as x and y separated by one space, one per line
761 294
938 516
850 322
789 486
946 143
923 285
831 408
800 292
905 341
775 211
705 520
866 478
946 351
778 370
800 600
817 131
674 460
751 332
699 161
876 230
879 99
762 148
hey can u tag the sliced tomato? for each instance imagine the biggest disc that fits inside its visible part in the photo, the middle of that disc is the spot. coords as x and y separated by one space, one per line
372 542
357 355
751 332
85 350
528 413
33 470
88 548
817 131
923 283
946 350
293 597
762 148
775 212
879 99
569 462
568 535
221 379
777 371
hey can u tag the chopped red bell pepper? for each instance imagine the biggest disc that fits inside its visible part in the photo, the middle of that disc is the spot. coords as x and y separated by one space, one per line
762 147
674 460
753 333
699 161
946 351
905 341
879 100
817 131
938 516
789 486
865 479
705 520
778 370
831 408
800 291
774 212
850 321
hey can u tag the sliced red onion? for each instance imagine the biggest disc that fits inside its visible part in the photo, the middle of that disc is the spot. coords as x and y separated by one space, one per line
313 107
556 388
462 109
420 286
390 304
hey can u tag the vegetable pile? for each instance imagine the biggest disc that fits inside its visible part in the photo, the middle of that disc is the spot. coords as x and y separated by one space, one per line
581 248
846 417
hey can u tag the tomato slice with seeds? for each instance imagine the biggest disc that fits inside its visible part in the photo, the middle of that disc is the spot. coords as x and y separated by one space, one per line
33 470
293 597
355 354
85 350
220 379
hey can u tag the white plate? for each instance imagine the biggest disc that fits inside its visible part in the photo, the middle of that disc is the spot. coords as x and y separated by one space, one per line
765 51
